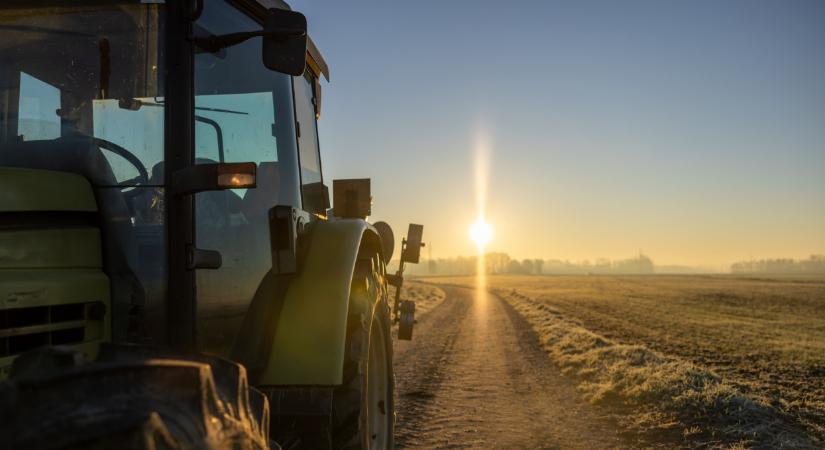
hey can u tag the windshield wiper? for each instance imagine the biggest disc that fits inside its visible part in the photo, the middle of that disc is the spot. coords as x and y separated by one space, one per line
134 104
228 111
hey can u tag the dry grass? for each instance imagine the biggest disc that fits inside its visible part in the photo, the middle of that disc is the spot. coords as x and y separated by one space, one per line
718 361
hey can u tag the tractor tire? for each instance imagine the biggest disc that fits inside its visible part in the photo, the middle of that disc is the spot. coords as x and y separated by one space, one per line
130 398
363 409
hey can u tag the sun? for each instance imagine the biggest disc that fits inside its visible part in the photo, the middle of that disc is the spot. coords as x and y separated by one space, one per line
481 232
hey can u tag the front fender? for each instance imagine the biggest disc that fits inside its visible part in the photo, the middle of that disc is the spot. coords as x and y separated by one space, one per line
310 333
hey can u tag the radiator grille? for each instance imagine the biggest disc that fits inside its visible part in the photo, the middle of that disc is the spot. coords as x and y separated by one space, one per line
24 329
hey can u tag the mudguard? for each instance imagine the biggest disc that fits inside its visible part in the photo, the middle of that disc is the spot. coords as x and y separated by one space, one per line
309 338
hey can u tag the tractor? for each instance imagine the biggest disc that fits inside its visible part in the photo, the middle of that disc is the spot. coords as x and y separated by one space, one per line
172 272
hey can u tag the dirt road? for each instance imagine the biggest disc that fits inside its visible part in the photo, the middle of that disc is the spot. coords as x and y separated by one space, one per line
475 377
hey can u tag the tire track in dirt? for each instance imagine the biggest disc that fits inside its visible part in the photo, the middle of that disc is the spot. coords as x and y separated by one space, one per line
476 376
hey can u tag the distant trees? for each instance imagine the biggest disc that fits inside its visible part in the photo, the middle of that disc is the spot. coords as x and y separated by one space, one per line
813 265
641 264
538 265
497 262
513 267
502 263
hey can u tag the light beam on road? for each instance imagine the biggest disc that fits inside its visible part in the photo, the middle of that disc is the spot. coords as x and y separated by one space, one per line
480 231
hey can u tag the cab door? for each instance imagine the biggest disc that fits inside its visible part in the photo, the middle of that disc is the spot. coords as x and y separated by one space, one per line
244 112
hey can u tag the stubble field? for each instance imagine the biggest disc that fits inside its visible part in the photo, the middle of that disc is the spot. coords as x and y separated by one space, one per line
711 360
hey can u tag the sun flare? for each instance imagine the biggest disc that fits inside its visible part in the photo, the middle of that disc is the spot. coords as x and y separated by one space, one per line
481 232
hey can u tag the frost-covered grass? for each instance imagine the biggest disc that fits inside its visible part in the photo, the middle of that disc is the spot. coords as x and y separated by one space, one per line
707 362
426 296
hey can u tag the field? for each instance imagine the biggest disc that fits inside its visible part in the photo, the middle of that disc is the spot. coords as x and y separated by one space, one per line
720 360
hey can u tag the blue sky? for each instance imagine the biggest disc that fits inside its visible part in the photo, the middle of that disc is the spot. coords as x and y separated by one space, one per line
694 131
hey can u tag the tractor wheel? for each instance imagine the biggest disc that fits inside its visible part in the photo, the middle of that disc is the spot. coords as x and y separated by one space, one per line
130 398
363 415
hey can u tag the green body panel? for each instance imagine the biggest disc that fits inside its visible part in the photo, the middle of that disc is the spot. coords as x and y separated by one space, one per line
50 247
44 190
308 345
23 288
51 277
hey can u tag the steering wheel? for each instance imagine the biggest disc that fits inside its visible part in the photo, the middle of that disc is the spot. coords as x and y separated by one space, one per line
143 174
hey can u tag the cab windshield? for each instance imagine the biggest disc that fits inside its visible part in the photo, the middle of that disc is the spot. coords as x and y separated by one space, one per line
84 72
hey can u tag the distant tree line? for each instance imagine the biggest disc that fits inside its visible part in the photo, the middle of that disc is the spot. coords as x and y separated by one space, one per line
641 264
813 265
502 263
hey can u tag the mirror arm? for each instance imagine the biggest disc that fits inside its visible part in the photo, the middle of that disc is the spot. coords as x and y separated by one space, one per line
214 44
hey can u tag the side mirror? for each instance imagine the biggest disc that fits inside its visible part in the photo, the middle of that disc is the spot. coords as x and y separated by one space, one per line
351 198
285 41
412 248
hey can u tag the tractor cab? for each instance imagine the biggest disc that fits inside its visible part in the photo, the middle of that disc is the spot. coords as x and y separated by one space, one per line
178 118
166 240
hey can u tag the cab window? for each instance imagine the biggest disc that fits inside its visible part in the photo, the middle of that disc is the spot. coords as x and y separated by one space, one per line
37 112
310 157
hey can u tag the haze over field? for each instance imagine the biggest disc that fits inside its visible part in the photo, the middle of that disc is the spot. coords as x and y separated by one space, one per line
690 130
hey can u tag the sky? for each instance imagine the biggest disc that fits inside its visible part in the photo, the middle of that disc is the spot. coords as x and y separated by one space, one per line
693 131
